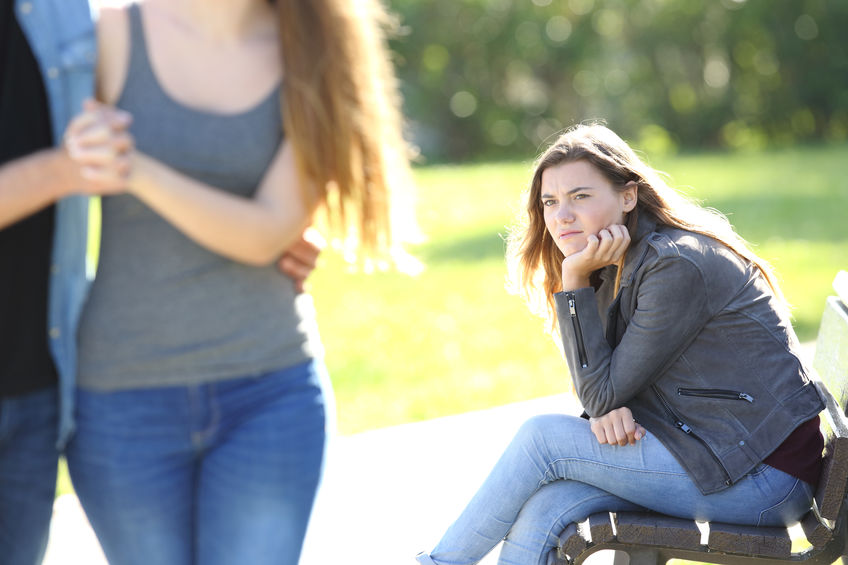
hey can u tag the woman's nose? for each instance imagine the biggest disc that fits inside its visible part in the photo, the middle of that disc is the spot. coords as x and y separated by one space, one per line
564 214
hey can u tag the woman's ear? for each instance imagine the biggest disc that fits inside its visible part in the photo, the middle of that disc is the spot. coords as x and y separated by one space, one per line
629 195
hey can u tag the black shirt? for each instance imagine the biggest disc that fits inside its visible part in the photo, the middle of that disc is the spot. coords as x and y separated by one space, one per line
25 362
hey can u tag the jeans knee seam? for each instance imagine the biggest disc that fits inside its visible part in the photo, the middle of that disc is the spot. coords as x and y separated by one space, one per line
548 470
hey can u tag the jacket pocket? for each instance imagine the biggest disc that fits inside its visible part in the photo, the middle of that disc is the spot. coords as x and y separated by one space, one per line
721 393
686 429
578 332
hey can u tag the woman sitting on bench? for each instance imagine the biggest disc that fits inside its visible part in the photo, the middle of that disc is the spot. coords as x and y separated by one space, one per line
697 402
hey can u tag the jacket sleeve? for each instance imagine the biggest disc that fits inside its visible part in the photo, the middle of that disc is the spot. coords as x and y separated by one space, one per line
671 309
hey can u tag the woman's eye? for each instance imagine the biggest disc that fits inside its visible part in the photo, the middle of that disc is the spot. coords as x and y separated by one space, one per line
580 196
548 203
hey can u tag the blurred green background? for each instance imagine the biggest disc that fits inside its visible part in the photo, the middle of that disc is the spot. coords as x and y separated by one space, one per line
743 102
496 78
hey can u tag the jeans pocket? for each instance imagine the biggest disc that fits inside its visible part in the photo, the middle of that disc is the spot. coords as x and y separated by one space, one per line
790 508
758 470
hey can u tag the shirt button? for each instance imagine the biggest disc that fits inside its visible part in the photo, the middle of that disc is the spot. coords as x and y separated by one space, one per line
52 72
55 333
26 8
742 442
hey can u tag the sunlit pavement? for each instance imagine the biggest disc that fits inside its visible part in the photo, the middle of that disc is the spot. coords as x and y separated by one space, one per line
387 493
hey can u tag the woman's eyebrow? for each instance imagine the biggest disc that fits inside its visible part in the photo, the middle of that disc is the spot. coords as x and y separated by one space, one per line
572 191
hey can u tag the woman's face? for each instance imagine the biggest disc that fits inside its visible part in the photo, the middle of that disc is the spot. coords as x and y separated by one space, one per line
579 201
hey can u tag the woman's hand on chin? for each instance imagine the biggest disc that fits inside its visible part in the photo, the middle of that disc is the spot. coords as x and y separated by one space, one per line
606 248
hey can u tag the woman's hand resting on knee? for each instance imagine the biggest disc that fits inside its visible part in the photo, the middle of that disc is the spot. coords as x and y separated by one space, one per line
617 427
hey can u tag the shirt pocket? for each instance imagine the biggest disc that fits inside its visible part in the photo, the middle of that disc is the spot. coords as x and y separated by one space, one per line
78 51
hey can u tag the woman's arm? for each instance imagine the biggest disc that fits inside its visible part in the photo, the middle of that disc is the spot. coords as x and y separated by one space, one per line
672 307
255 231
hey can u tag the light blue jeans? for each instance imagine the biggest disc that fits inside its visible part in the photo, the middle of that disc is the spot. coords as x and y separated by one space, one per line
555 472
211 474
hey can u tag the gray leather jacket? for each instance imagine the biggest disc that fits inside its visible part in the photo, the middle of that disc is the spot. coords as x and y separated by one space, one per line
695 345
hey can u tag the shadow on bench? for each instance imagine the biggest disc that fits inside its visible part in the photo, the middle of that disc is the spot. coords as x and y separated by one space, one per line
650 538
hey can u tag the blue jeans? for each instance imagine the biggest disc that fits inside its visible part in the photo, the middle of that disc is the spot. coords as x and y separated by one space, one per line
28 460
211 474
555 472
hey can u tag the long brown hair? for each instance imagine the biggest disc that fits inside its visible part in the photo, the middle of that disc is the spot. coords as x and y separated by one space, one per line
341 110
535 262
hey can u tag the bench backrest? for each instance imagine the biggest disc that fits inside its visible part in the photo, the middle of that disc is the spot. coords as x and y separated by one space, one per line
831 364
831 359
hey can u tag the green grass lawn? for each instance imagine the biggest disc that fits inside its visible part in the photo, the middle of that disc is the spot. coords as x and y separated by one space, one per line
403 349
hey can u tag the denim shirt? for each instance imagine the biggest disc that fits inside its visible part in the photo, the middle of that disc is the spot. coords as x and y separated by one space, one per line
62 36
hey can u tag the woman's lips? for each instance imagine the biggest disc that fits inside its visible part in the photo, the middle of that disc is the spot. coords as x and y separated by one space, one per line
567 234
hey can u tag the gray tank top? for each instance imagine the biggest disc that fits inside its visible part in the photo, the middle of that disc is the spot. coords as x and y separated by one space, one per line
163 310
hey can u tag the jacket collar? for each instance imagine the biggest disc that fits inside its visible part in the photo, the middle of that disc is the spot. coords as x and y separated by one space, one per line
638 245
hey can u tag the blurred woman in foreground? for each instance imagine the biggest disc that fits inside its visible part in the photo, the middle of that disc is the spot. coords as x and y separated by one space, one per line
202 392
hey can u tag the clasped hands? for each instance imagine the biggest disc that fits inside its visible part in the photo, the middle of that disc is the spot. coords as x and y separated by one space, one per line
617 427
99 144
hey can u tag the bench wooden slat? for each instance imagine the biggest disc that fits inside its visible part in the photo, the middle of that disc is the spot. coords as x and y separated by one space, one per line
830 493
600 528
578 537
750 540
816 532
571 542
656 529
831 357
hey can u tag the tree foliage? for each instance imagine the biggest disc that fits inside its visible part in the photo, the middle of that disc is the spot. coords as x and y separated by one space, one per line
488 78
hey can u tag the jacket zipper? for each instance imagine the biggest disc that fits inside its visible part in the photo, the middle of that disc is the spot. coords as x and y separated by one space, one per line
578 332
716 393
682 426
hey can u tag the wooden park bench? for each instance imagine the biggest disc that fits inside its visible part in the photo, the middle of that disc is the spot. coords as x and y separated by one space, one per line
653 539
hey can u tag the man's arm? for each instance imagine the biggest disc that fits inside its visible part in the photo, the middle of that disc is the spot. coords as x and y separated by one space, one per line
34 181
